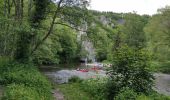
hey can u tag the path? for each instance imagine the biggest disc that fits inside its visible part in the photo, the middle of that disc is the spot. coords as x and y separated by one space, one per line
162 83
58 95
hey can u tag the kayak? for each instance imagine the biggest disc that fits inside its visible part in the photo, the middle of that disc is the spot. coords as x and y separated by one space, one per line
82 70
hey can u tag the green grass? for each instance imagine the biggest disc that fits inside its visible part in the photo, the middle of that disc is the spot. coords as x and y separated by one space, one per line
24 82
163 67
153 96
20 92
90 91
73 91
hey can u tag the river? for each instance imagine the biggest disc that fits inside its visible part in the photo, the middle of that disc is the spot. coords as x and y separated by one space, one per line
162 81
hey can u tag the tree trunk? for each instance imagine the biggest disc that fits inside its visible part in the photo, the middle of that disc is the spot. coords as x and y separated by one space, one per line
29 7
50 30
5 8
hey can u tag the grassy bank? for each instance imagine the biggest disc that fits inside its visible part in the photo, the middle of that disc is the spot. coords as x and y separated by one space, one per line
95 89
163 67
73 91
23 82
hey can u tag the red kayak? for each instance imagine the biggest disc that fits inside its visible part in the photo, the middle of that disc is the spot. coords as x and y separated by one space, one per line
95 68
82 70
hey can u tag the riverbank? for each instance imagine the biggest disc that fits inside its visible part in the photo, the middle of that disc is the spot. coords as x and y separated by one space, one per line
24 82
162 83
74 90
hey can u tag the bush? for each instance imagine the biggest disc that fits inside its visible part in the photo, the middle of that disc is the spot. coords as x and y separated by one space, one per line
160 66
27 75
156 96
153 96
165 67
20 92
126 94
130 69
4 60
95 87
143 97
75 79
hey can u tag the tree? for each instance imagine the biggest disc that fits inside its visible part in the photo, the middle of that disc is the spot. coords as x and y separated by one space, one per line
133 29
70 13
102 43
68 41
130 69
157 31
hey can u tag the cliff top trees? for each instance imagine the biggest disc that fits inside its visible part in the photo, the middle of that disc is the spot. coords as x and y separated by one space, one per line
158 33
31 13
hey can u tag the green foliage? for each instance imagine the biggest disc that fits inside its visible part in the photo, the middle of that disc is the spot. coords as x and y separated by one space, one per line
75 15
75 79
67 39
133 29
40 12
164 67
22 52
73 91
7 36
96 88
130 69
26 74
101 41
60 47
126 94
153 96
20 92
157 31
4 60
157 66
129 94
46 54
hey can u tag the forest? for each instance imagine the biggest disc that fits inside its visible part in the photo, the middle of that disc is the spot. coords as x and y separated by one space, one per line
41 35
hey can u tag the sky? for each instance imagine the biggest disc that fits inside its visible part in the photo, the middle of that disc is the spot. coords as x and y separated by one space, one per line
139 6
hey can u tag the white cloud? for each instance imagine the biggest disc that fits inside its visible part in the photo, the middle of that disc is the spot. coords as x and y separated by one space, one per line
141 6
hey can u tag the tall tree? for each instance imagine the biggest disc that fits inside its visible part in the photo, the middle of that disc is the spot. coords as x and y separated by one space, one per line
69 13
158 33
133 29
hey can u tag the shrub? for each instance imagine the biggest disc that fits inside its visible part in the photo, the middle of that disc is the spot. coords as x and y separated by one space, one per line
75 79
20 92
130 69
156 96
153 96
126 94
95 87
27 75
4 60
164 67
160 66
143 97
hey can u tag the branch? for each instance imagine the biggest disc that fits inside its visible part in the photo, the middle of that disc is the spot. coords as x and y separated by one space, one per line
51 28
70 27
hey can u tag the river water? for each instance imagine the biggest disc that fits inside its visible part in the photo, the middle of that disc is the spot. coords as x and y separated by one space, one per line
162 81
63 75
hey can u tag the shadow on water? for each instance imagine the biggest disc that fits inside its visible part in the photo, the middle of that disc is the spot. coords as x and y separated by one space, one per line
55 68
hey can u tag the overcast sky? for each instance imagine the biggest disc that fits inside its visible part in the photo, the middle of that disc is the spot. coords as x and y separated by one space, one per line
140 6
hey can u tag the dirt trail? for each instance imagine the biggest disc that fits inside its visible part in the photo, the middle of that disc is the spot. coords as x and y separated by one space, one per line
58 95
162 83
